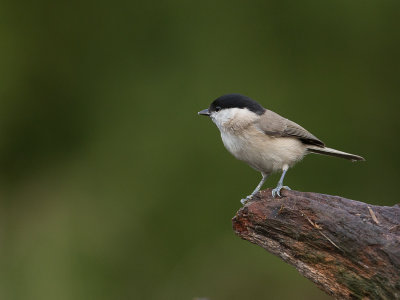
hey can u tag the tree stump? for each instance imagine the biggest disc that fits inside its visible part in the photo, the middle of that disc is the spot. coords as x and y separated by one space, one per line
349 249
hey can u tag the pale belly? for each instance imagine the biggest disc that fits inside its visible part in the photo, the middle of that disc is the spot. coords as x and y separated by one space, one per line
263 153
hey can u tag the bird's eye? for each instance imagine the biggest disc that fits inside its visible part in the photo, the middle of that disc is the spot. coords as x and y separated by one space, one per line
218 108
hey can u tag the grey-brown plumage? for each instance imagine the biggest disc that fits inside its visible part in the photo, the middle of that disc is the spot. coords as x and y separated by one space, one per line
273 124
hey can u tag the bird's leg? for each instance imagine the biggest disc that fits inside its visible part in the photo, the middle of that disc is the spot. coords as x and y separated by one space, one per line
277 191
257 189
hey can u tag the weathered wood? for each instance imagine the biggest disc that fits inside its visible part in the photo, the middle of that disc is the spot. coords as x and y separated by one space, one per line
349 249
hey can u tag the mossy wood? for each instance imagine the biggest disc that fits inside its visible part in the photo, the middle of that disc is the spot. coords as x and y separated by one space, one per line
349 249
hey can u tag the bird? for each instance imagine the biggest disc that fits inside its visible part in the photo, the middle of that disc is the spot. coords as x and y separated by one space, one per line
263 139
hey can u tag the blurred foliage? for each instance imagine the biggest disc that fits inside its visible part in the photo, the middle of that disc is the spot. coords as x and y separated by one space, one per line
113 188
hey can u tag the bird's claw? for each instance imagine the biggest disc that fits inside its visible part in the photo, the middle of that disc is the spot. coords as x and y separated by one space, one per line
247 199
277 191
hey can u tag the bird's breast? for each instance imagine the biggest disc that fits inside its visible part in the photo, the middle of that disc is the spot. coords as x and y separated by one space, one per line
262 152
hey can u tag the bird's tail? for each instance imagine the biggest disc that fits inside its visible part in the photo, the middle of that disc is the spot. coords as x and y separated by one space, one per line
333 152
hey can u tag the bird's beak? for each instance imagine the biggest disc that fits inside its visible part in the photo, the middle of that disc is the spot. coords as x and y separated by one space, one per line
204 112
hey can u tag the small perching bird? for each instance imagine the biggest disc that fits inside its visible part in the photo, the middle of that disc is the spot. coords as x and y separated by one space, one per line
263 139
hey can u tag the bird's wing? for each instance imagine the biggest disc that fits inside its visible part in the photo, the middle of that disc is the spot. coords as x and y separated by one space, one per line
273 124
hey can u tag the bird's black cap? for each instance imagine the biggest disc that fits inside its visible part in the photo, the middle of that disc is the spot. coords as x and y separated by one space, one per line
236 101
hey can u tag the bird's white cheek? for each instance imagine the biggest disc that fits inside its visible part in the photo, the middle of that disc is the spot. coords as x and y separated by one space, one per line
217 120
223 117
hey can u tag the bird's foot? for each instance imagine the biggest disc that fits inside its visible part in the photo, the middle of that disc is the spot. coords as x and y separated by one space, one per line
247 199
277 191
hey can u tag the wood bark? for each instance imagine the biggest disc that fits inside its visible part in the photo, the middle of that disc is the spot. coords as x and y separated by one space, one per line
349 249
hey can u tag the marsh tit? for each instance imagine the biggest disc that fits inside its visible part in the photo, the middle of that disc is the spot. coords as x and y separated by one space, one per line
263 139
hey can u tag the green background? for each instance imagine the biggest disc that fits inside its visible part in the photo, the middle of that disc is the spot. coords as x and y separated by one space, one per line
112 187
